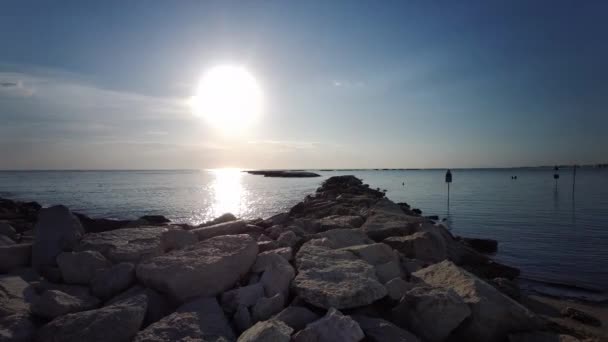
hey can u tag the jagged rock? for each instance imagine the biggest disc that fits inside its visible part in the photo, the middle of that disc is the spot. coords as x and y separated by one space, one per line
382 257
332 327
397 287
410 265
296 317
481 245
269 258
493 315
340 222
109 282
15 256
381 226
227 217
265 307
340 238
54 303
200 269
157 305
379 330
126 244
242 319
431 313
268 331
81 267
57 230
16 295
277 277
178 239
226 228
72 290
6 241
288 239
335 278
264 246
8 230
243 296
16 328
422 246
263 238
116 322
199 320
541 336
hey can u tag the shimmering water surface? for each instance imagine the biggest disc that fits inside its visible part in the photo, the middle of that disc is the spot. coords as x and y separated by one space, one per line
543 228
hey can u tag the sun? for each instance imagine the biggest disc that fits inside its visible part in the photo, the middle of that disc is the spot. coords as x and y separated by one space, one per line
228 97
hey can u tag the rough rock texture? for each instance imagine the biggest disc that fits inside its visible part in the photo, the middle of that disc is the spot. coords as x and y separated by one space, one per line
288 239
8 230
340 222
117 322
422 246
540 336
382 257
379 330
54 303
204 269
57 230
242 319
199 320
16 295
296 317
265 307
332 327
493 315
268 331
127 244
111 281
243 296
397 287
340 238
15 256
431 313
16 328
157 305
178 239
6 241
226 228
265 259
335 278
277 277
81 267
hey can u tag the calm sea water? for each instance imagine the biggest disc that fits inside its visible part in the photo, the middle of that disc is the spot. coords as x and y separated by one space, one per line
552 234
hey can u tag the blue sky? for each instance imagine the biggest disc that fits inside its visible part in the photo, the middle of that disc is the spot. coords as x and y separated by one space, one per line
104 85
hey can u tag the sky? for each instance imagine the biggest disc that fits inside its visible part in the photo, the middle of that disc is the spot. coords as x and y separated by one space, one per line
346 84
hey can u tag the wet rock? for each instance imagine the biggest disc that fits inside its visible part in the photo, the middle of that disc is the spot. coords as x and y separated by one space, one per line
116 322
422 246
296 317
109 282
8 230
335 278
226 228
341 238
245 296
431 313
581 316
15 256
481 245
178 239
265 307
268 331
493 315
540 336
199 320
57 230
16 328
81 267
200 269
332 327
227 217
379 330
54 303
127 244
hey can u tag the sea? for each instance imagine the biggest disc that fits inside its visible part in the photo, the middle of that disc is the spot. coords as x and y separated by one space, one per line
555 231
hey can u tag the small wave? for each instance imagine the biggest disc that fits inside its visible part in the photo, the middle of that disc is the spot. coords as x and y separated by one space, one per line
564 290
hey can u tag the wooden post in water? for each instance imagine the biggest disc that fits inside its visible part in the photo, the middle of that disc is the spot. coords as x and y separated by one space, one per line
574 178
448 179
556 175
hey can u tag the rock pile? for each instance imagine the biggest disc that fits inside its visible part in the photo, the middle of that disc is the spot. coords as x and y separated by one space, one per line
346 264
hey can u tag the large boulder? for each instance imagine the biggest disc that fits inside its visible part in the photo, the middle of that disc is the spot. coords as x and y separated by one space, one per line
203 269
15 256
340 222
334 326
8 230
199 320
335 278
226 228
109 282
126 244
266 307
277 277
16 295
157 306
54 303
339 238
493 315
379 330
178 238
541 336
296 317
382 257
116 322
81 267
421 307
57 230
382 225
16 328
243 296
421 245
267 331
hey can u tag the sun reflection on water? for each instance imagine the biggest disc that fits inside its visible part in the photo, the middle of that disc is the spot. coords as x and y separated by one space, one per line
227 192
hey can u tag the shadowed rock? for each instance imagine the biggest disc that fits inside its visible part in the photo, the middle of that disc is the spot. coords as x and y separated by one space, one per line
127 244
57 230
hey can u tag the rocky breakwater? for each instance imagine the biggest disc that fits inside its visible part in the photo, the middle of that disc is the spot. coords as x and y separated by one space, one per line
345 264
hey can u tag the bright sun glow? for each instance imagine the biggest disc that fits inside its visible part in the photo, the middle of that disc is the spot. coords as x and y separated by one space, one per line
228 97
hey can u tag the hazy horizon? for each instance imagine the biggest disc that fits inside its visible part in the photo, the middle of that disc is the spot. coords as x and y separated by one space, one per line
344 85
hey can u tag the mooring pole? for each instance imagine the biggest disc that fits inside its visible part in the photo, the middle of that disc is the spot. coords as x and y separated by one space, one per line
448 179
556 175
574 177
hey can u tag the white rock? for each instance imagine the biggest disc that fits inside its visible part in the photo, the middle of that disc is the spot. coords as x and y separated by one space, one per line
57 230
81 267
268 331
332 327
204 269
111 281
126 244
